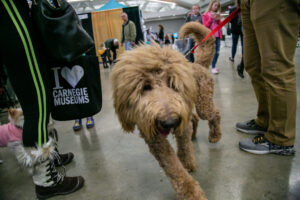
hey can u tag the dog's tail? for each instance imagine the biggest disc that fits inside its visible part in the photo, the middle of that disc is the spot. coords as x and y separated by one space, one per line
204 52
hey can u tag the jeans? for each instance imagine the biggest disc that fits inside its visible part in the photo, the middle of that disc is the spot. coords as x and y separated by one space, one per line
217 50
127 45
235 39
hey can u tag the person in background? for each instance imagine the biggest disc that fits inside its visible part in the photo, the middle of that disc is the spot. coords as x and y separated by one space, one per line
172 38
161 34
237 32
102 53
149 37
167 40
128 32
270 37
211 19
111 44
193 16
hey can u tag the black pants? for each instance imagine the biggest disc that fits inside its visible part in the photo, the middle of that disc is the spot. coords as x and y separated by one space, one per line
27 69
235 39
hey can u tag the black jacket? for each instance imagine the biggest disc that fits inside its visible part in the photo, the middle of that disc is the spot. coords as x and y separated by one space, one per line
236 23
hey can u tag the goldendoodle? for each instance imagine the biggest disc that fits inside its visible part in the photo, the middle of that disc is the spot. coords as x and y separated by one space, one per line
157 89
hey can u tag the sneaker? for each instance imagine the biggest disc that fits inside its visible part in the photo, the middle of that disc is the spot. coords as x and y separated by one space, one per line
250 127
77 125
214 70
260 145
90 123
231 59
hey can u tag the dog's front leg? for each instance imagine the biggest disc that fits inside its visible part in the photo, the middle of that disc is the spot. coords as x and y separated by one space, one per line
185 148
186 188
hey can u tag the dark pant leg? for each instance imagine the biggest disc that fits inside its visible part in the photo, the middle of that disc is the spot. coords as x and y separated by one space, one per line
114 54
235 39
27 69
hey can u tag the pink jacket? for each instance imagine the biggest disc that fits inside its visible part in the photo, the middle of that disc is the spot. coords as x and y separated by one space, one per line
211 24
9 133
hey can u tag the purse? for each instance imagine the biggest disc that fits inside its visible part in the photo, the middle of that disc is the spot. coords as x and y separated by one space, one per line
76 89
60 30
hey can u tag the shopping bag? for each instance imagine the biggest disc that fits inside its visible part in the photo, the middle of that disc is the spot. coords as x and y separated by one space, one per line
76 89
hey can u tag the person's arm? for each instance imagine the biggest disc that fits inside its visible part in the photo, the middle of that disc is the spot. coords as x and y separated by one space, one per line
188 18
206 19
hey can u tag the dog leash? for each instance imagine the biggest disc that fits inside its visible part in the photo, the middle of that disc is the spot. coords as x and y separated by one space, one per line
225 21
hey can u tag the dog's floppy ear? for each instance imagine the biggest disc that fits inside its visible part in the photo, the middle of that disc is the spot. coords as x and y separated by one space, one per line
125 118
121 96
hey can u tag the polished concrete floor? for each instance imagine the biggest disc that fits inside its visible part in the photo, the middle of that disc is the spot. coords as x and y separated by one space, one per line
118 166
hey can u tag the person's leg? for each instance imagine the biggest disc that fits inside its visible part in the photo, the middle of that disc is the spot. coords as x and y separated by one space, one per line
252 63
28 71
108 55
25 65
114 55
217 50
191 44
235 39
276 26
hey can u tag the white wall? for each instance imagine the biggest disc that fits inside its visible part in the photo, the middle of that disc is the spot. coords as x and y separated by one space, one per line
170 26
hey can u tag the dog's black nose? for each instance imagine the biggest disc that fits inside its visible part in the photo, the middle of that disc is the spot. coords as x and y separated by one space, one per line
170 123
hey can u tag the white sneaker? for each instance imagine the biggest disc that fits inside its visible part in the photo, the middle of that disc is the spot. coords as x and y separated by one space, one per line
214 70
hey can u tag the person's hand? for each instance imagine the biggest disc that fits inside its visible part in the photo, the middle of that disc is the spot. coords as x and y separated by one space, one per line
132 44
189 14
218 16
213 15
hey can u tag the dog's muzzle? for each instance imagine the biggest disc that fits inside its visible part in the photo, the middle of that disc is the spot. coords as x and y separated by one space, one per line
164 127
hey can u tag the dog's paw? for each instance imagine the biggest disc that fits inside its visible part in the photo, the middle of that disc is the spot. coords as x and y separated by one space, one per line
213 139
190 167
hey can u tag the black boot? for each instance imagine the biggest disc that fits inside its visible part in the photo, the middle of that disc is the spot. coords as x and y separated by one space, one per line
240 69
63 159
48 181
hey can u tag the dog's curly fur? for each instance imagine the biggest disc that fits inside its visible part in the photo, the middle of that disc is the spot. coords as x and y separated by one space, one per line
153 85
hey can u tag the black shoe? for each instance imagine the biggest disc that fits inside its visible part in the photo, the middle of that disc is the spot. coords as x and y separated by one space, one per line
240 70
250 127
231 59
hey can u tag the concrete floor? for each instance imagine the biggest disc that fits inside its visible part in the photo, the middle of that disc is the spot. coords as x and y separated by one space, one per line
118 166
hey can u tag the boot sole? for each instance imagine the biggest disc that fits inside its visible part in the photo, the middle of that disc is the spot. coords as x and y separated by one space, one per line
278 152
251 132
77 187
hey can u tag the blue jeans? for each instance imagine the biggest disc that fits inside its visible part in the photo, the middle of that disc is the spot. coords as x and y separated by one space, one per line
217 50
127 45
235 39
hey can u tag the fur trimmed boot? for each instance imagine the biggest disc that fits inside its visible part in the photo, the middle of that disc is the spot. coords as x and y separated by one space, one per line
48 181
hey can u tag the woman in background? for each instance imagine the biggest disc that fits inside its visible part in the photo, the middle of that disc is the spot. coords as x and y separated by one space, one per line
211 19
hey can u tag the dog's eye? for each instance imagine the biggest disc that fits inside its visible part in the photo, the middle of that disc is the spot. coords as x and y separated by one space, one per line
147 87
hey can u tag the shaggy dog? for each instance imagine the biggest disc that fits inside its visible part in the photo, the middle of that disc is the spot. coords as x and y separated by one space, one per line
157 89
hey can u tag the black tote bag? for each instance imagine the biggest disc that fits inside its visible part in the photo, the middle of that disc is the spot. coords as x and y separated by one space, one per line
76 89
